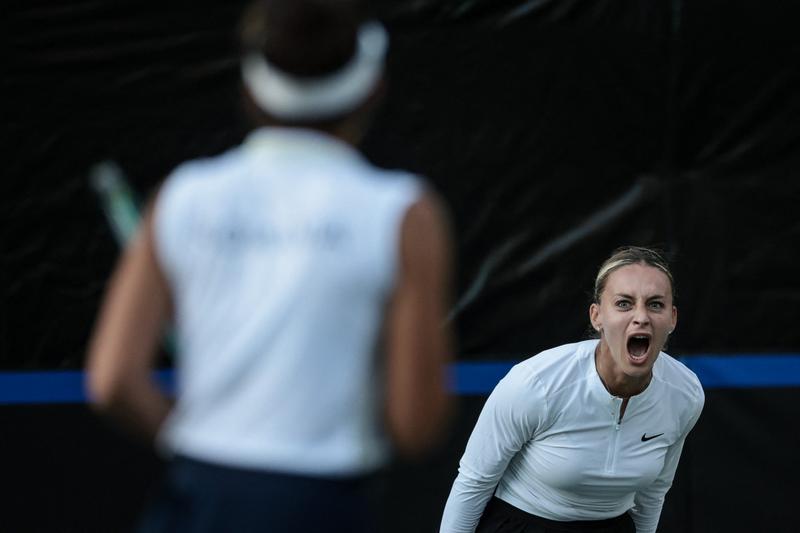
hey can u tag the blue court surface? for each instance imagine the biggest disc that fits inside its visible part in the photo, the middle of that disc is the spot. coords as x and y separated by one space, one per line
468 378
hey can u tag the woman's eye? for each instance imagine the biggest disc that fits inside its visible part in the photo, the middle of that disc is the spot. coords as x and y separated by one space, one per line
624 304
657 305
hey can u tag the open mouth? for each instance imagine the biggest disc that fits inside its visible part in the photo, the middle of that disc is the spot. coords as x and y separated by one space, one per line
638 346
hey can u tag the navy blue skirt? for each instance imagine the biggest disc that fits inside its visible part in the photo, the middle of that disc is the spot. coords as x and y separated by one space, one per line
198 497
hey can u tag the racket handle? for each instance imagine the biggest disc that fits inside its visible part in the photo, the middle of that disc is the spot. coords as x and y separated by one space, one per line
119 205
116 198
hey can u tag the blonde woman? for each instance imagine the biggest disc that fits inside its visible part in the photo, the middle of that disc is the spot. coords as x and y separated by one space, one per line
585 436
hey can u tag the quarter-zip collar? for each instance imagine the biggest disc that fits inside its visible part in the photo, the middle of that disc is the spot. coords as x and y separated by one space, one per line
601 394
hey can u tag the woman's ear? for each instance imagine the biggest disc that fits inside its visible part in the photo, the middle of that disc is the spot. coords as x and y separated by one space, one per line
674 319
594 317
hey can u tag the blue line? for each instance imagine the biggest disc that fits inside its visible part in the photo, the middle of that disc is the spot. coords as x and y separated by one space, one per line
745 370
54 387
715 371
478 377
41 387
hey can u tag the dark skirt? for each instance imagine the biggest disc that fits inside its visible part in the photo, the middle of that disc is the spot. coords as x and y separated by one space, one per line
502 517
198 497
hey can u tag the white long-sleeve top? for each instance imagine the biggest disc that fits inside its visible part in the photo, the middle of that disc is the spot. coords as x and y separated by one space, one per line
551 442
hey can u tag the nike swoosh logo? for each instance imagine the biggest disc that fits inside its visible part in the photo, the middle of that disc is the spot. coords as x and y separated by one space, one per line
645 438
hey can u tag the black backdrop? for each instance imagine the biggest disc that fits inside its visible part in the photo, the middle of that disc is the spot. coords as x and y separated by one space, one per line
556 130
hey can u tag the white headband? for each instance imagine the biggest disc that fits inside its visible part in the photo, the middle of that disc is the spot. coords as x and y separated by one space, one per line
291 98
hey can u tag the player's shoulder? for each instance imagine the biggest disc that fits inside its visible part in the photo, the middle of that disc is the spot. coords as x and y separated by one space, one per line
680 378
204 168
556 368
201 177
391 182
560 356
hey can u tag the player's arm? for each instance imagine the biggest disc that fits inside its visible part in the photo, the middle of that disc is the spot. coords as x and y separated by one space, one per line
648 501
124 344
418 339
512 414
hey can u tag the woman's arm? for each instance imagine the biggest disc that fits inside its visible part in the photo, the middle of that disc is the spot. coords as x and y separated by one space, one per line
647 503
509 419
418 339
123 348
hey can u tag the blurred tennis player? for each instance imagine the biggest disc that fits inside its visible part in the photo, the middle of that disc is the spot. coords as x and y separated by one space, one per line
308 290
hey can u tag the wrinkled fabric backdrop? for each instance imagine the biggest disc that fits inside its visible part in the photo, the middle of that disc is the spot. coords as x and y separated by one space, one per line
555 129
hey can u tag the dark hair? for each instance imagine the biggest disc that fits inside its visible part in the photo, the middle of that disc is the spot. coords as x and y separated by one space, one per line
304 38
631 255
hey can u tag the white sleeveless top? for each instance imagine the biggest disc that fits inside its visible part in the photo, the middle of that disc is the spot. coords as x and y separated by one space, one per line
280 255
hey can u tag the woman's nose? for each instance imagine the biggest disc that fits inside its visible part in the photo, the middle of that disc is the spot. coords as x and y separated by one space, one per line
640 315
